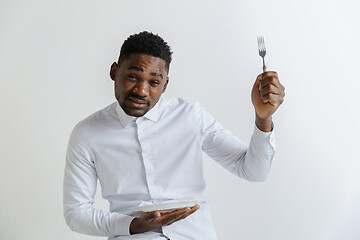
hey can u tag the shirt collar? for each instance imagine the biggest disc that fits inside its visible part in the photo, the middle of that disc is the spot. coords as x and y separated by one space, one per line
126 119
153 113
123 117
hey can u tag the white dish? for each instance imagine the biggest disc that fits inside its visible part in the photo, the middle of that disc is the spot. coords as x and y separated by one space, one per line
165 206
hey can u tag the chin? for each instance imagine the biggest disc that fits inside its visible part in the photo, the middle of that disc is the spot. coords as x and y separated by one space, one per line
136 113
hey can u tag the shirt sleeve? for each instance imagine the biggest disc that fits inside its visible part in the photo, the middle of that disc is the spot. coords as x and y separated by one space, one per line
251 162
80 181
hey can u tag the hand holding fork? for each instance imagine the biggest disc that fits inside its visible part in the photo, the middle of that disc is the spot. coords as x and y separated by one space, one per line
267 93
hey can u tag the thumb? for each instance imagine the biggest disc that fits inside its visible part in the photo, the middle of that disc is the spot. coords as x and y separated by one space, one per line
256 86
258 80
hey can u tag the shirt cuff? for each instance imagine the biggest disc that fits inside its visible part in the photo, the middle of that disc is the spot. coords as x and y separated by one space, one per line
121 224
269 137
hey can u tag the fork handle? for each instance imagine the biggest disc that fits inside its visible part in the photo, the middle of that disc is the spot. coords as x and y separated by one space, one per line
264 67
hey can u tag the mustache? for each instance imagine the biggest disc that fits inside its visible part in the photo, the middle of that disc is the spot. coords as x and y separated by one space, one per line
138 98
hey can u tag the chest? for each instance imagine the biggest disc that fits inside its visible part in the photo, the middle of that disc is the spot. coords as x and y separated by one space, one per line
128 155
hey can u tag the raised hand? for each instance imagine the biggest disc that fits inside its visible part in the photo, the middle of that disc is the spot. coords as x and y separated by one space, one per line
267 95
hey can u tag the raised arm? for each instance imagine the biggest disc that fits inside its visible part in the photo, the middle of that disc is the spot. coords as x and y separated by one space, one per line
253 161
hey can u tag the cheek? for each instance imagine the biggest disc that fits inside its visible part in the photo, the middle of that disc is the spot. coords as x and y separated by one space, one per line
155 94
121 86
119 90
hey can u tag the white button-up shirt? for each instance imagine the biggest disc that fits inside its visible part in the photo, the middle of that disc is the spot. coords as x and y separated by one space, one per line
151 159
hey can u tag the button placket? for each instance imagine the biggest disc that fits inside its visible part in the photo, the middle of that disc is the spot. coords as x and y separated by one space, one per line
146 152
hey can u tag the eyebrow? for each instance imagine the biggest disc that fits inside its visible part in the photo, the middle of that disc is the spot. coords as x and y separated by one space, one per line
157 75
136 68
140 69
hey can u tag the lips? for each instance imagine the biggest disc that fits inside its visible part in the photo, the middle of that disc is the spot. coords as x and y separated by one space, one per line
137 103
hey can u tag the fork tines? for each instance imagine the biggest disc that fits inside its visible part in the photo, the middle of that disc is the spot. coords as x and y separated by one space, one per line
262 50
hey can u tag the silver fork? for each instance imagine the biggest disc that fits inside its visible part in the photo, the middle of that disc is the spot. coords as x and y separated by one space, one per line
262 50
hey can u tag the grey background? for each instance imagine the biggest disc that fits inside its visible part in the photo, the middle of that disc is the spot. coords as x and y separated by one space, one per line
54 71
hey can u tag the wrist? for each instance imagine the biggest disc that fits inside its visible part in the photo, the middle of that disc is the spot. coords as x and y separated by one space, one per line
133 228
264 124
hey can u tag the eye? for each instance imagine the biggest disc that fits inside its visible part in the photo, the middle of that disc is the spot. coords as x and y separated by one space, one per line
154 83
132 77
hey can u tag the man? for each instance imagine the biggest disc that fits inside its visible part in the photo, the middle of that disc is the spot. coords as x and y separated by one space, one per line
146 149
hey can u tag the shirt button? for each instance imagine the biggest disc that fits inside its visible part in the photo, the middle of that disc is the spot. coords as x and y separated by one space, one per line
146 156
141 133
152 183
272 141
271 138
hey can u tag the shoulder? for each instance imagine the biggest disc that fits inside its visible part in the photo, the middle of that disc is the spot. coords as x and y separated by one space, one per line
94 121
181 108
174 103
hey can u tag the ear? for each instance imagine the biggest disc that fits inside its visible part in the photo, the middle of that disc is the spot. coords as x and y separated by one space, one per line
113 70
166 83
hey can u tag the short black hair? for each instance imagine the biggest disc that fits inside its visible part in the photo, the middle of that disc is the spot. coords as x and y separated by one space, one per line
146 43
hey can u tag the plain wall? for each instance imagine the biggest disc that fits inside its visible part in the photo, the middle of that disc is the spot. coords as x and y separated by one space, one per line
55 58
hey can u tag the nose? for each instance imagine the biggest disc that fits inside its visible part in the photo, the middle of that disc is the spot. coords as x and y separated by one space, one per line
141 89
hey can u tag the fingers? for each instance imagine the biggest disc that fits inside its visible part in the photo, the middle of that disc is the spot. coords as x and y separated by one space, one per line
268 74
269 78
150 216
266 78
273 99
171 217
155 219
271 90
192 210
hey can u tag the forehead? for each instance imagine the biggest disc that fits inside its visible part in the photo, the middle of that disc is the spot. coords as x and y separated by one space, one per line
145 62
